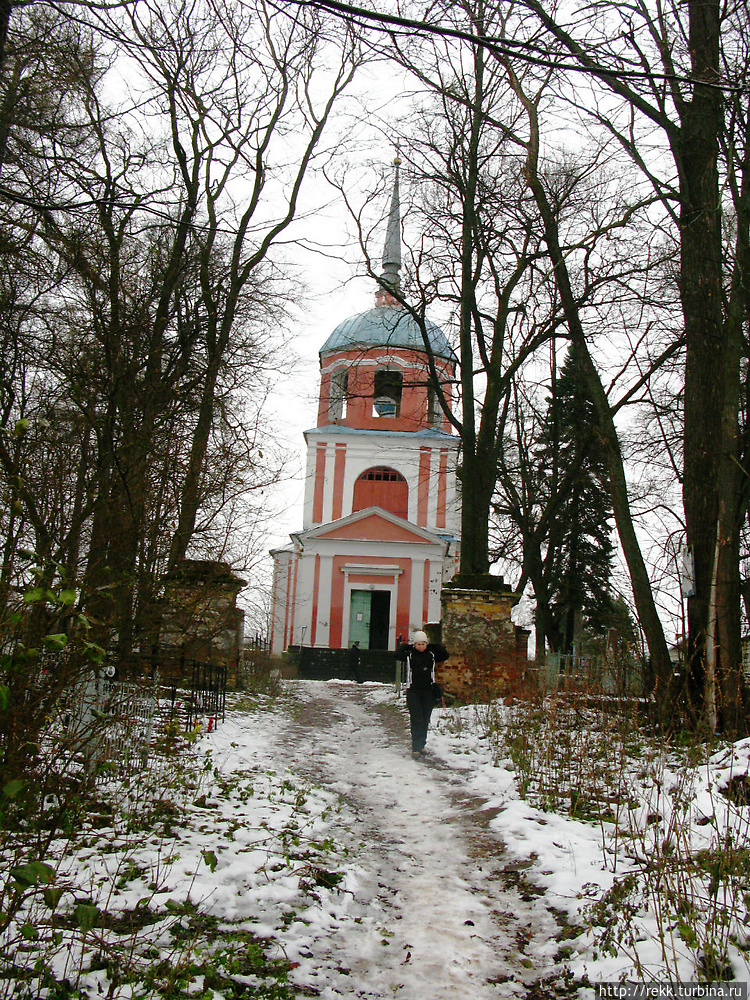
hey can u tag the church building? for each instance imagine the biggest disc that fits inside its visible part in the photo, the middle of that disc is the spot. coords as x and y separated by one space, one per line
380 529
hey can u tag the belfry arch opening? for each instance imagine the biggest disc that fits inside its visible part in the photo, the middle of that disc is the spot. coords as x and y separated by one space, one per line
383 487
387 390
339 394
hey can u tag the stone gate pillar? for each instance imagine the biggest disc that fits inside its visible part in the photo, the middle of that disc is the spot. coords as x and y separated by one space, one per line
487 651
201 617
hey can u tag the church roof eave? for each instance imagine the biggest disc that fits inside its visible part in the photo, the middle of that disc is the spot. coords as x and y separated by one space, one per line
426 432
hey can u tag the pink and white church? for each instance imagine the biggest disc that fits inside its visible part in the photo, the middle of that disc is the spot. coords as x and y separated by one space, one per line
380 524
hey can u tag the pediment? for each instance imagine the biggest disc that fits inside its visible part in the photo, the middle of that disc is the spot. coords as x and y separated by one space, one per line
373 525
374 529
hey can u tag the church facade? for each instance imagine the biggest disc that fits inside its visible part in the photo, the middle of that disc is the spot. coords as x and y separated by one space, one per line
380 531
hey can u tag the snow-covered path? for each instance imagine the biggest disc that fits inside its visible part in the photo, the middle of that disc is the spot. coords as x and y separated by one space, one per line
436 910
298 850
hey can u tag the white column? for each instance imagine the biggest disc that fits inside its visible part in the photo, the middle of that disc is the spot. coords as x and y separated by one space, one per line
328 482
307 506
323 632
416 599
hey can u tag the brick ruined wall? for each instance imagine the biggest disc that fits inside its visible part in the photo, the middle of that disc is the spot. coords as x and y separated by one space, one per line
487 651
201 617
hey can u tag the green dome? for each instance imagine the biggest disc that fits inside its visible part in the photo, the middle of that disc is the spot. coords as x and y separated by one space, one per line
386 326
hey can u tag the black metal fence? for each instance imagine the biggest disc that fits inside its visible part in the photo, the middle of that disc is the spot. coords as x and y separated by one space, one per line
195 690
112 718
206 696
180 690
118 718
112 722
258 643
327 664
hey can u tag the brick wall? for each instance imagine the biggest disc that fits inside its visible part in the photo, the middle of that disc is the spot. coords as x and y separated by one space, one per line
200 615
487 651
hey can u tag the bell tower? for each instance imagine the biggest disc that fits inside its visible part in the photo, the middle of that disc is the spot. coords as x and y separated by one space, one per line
380 517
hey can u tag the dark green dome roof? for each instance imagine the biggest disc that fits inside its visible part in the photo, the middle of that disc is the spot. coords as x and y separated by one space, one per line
386 326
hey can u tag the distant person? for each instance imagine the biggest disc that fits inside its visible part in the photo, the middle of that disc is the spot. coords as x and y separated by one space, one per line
421 657
355 659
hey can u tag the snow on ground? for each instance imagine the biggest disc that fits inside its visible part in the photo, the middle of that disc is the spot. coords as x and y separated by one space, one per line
308 825
430 914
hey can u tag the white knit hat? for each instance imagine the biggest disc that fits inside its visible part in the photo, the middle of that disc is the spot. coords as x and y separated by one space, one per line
419 636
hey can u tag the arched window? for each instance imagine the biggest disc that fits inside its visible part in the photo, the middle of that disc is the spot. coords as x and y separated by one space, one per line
339 394
387 393
382 487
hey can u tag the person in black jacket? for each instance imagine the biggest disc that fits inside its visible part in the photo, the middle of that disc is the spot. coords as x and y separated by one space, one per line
355 658
421 656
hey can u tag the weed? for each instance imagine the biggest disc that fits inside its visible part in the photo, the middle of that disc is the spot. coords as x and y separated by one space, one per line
573 757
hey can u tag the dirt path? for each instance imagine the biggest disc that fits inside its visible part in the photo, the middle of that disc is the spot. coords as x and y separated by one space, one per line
453 918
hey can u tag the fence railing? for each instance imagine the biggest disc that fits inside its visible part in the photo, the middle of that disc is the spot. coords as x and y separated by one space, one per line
314 663
113 723
116 719
258 643
194 689
207 694
618 677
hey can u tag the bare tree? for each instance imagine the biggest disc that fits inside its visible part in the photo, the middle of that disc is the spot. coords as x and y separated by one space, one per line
684 58
669 68
500 269
476 262
157 218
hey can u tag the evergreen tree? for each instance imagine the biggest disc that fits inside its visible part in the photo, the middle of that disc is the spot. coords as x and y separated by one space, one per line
579 553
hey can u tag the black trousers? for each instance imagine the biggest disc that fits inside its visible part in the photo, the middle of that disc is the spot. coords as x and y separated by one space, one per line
419 701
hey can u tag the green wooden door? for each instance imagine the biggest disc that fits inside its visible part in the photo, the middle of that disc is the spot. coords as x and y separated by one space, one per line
359 618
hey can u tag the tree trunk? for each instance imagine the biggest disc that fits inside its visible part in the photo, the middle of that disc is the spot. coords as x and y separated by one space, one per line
700 290
116 532
642 593
190 497
731 502
477 488
709 499
534 569
475 503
